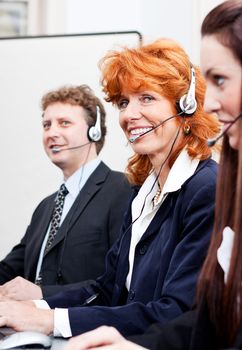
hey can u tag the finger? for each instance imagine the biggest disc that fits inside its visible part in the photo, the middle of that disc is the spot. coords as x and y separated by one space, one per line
8 295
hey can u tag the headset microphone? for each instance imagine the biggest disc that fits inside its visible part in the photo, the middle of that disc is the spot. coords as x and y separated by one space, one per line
134 138
57 149
212 142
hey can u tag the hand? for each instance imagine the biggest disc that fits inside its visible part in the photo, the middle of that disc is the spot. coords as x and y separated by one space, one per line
23 316
20 289
101 338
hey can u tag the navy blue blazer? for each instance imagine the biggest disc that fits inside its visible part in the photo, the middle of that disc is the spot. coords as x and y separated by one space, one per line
167 261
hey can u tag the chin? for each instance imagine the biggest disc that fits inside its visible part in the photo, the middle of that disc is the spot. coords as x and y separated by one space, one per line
141 149
58 161
234 143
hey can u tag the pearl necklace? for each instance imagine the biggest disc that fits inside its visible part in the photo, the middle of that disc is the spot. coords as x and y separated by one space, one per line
157 197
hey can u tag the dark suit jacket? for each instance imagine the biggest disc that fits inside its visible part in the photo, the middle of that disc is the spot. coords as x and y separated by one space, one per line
191 331
88 231
167 261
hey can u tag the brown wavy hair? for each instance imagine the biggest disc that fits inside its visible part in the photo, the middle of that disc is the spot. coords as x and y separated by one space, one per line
163 67
225 22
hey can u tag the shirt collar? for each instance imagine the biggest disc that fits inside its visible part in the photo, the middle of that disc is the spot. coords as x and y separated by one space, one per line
78 179
183 168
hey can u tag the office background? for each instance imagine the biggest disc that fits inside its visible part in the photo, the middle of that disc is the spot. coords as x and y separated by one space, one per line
27 174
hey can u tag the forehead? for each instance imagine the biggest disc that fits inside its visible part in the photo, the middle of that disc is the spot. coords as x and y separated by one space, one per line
214 55
61 110
142 91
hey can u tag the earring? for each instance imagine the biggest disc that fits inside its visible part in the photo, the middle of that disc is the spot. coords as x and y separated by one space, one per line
186 129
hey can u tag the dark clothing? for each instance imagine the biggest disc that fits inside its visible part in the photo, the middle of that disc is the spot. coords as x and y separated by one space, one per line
80 246
167 261
191 331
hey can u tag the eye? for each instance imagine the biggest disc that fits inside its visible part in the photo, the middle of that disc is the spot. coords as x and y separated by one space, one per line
46 125
122 104
218 80
146 98
65 123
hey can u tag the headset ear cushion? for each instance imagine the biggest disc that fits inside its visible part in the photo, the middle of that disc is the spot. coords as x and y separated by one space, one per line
188 109
94 134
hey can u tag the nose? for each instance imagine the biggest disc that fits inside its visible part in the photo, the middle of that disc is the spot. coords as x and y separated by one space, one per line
52 134
132 111
211 102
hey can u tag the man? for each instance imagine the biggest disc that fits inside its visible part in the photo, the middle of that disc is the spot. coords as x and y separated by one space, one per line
55 255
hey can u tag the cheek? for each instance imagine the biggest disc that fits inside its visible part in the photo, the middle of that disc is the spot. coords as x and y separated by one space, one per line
231 99
122 123
229 104
81 133
171 126
234 140
44 139
235 102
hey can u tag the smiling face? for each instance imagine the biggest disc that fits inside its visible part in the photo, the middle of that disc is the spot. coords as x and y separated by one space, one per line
141 112
64 126
223 75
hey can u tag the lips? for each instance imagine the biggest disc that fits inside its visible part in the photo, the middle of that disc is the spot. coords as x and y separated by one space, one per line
138 131
55 146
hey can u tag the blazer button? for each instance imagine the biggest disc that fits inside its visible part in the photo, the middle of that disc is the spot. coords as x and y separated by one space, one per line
143 250
131 294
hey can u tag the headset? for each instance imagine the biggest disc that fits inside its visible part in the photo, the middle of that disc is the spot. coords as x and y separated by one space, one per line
187 103
186 107
94 132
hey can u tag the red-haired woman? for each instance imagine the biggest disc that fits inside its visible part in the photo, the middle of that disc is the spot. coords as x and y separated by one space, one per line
151 271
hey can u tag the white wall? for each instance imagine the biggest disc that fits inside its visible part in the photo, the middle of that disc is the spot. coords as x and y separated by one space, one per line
178 19
31 67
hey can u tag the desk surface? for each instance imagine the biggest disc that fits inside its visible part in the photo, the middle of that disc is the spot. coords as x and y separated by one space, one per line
57 343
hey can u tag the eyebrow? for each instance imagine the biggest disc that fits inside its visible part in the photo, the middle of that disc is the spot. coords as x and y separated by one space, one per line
207 72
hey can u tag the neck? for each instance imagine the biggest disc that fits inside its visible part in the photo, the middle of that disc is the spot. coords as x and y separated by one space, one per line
161 173
162 178
70 169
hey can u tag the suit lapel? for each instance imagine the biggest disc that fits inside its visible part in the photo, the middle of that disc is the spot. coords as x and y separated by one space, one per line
152 229
89 190
39 235
160 216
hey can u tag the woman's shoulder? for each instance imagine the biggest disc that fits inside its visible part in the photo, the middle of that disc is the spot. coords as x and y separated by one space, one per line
203 180
206 173
209 166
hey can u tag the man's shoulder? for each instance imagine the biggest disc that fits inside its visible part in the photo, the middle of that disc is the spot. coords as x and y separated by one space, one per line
113 174
48 199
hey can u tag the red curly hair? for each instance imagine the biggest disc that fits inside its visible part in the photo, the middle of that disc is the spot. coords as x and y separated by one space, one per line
163 67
